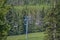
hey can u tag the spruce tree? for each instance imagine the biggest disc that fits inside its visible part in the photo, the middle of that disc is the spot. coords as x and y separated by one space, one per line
4 27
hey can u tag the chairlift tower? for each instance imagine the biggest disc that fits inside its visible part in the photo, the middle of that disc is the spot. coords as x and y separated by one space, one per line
26 25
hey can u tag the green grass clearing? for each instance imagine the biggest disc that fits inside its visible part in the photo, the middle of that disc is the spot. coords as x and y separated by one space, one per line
31 36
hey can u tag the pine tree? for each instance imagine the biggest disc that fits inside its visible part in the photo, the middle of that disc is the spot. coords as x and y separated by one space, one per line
4 27
53 21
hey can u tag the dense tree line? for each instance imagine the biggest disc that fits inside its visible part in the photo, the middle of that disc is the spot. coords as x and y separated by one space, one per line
29 2
35 13
43 16
52 21
15 17
4 26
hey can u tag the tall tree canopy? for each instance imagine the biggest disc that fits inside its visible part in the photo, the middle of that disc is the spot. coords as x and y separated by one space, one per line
53 21
4 27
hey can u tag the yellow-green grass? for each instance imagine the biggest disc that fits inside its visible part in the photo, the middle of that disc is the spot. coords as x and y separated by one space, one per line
31 36
37 7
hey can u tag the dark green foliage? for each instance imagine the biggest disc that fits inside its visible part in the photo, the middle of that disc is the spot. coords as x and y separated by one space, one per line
4 27
36 10
16 17
29 2
52 21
